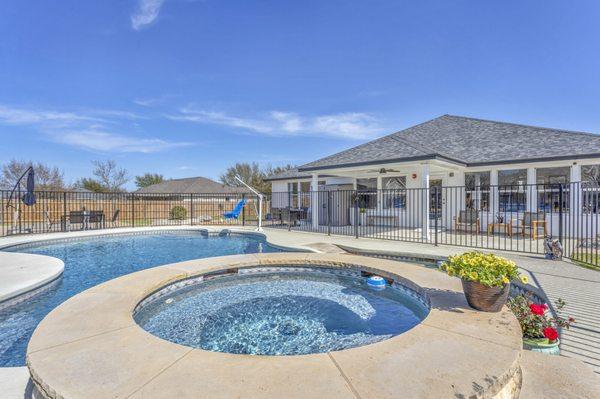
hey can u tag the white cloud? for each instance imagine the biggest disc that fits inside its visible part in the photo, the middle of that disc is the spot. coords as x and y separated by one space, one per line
98 140
20 116
87 129
147 11
277 123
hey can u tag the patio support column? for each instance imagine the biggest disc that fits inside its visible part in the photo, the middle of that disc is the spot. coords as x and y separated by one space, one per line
531 190
379 193
299 195
425 201
575 201
494 194
314 199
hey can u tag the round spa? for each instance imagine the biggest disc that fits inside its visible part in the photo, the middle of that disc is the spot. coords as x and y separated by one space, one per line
276 325
281 311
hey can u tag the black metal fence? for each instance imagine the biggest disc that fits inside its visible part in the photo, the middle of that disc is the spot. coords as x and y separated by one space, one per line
56 211
511 218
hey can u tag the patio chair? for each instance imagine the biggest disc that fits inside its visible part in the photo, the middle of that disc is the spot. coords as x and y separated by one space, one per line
468 220
531 223
49 222
115 217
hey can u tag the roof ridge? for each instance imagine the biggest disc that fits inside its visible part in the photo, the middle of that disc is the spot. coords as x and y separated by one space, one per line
390 135
524 125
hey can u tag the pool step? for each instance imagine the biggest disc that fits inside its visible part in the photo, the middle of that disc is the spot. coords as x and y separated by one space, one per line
546 376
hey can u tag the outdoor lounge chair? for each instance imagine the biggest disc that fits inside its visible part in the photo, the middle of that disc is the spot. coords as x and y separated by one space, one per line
115 218
235 213
468 221
531 224
49 222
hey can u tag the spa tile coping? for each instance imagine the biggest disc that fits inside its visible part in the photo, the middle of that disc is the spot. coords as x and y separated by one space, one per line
91 347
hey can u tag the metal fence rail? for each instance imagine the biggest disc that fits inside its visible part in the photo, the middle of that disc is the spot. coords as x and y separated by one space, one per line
510 218
66 211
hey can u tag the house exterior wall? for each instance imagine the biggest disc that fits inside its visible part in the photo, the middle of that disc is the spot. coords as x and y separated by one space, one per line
454 195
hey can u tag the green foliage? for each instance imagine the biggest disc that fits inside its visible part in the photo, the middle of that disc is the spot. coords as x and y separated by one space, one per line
533 323
91 184
252 174
488 269
178 212
148 179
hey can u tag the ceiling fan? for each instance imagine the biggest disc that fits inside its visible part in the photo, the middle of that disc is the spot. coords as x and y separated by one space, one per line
383 171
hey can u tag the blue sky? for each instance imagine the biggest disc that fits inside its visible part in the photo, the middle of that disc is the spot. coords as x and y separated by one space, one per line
186 88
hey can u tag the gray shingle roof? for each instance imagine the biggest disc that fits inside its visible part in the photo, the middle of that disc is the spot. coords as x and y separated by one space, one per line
467 141
191 185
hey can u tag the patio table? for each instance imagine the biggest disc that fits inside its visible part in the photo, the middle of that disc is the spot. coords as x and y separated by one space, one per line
500 228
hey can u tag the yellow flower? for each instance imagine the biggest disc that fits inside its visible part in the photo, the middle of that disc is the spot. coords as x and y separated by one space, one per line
473 275
505 280
524 279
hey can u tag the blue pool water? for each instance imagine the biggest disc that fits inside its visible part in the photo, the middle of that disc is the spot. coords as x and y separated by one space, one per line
91 262
281 313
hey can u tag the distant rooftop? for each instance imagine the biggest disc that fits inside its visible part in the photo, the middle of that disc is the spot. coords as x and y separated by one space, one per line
191 185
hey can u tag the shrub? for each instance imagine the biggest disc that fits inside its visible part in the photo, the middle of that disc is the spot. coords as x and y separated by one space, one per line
488 269
534 319
178 212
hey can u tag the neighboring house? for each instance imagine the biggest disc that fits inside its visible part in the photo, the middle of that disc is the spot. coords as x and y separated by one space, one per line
192 185
492 167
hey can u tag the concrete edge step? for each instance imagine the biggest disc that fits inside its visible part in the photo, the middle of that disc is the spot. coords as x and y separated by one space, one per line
546 376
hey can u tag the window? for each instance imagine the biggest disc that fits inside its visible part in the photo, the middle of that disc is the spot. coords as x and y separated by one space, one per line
367 193
512 190
477 190
590 188
548 188
394 192
293 195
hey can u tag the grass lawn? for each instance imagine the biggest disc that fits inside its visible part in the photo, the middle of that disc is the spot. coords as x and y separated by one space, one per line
587 260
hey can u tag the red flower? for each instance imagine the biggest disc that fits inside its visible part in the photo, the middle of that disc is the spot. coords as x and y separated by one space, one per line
537 309
550 333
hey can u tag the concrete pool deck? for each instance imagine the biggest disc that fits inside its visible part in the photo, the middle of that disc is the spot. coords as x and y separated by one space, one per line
579 286
454 352
23 273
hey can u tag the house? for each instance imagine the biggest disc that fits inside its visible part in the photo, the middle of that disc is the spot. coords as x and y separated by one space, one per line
429 173
192 185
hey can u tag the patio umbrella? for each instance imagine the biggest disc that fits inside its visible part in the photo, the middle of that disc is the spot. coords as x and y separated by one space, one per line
29 197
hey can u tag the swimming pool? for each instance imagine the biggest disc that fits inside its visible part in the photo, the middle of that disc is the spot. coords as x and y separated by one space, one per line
91 261
289 311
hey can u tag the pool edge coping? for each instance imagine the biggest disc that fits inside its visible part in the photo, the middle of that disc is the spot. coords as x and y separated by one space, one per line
186 269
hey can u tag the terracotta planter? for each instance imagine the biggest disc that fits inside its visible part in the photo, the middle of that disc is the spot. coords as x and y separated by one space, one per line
487 299
542 345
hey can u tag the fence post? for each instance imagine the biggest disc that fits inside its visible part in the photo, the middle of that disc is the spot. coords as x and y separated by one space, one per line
64 218
356 214
435 216
243 212
132 210
560 213
329 193
191 209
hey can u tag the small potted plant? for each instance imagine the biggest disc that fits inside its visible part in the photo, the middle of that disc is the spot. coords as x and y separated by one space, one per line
540 332
485 278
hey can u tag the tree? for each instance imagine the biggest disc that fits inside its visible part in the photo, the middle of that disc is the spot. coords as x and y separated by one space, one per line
90 184
148 179
252 174
48 178
108 178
